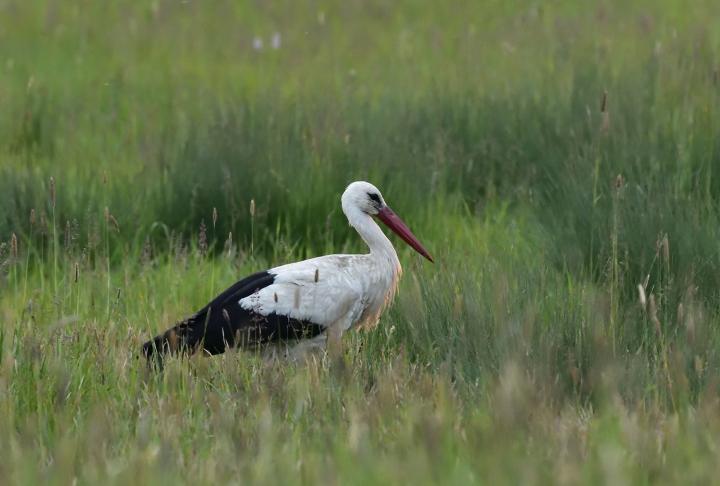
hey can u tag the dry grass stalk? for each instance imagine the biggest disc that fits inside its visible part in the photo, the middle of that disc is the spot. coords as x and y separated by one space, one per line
457 306
214 217
252 226
643 298
652 311
228 244
67 237
681 313
604 114
32 218
52 192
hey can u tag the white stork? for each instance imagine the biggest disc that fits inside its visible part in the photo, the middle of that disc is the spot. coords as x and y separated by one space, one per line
301 304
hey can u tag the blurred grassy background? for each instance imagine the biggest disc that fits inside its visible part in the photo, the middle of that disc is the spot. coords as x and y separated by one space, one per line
527 354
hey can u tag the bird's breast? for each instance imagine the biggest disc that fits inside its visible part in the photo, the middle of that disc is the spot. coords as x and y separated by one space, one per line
379 295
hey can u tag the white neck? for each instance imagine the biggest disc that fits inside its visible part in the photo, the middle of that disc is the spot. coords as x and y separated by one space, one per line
379 244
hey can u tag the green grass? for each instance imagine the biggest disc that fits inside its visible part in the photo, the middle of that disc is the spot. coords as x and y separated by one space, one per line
524 355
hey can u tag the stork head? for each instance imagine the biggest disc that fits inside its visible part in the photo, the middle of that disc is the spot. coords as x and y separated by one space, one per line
363 196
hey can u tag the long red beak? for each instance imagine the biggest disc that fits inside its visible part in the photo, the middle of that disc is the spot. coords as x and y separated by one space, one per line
393 221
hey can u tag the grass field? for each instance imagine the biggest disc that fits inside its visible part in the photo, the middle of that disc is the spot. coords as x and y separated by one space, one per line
561 161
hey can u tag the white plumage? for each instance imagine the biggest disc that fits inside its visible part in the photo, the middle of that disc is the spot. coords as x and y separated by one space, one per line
333 290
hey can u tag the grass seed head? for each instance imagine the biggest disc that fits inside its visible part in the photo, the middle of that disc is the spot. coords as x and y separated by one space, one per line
14 246
147 251
619 182
115 223
652 311
202 239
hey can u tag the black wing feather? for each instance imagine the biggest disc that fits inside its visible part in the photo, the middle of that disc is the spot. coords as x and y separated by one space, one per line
223 323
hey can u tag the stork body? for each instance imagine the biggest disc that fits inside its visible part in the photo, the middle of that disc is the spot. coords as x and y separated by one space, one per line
300 304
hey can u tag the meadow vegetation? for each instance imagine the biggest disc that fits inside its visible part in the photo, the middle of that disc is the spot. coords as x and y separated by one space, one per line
560 160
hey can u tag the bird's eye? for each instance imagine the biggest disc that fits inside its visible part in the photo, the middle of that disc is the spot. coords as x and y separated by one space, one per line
375 197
